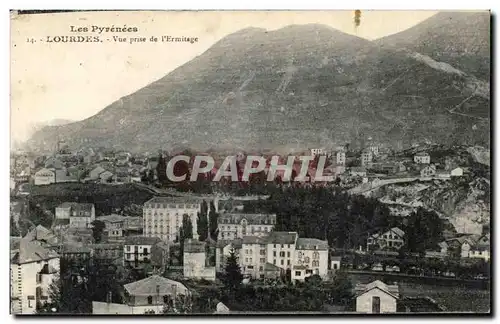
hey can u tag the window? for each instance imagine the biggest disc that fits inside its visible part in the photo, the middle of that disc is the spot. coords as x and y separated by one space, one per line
308 271
274 245
250 267
128 248
288 254
282 246
306 259
376 305
274 253
315 263
274 261
288 245
298 273
335 266
250 260
288 262
166 299
246 259
262 252
262 260
31 301
282 254
282 262
315 255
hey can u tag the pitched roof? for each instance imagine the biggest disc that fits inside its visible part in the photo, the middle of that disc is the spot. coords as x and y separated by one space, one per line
174 200
398 231
155 285
77 206
236 243
40 233
336 258
31 252
271 267
113 218
392 290
311 244
422 154
282 238
141 240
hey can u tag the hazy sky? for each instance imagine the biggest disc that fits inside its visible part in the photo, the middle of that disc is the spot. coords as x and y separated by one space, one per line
77 80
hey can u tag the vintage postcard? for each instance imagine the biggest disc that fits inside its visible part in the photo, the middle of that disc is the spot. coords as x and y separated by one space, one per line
250 162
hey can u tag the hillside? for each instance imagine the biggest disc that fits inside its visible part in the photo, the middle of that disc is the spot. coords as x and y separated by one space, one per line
461 39
299 86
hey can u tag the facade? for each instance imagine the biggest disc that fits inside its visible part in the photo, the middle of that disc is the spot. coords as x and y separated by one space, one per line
366 157
281 249
428 171
146 296
81 215
232 226
480 248
253 256
340 157
44 177
163 216
392 239
376 298
32 270
457 172
422 158
312 254
195 261
335 262
137 249
114 225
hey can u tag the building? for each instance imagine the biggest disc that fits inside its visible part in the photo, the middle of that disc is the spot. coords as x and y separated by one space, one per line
96 172
392 239
44 177
374 148
137 249
318 151
81 215
232 226
106 177
312 254
195 261
479 248
32 270
376 298
428 171
335 262
340 157
366 157
252 258
53 163
422 158
146 296
358 172
281 249
163 216
114 225
42 236
457 172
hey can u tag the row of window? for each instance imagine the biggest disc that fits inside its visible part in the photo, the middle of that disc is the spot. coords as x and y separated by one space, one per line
176 206
250 251
258 229
262 221
177 215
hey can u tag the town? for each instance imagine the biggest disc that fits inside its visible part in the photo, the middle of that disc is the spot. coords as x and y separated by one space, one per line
105 231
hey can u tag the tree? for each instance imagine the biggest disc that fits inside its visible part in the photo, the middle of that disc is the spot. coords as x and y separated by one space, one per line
232 276
341 292
202 224
14 231
98 230
212 219
161 169
185 232
182 304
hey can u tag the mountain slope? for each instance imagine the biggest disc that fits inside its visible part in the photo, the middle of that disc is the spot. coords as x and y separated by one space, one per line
461 39
299 86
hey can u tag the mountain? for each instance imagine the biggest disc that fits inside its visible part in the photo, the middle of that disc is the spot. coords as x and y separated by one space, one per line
299 86
461 39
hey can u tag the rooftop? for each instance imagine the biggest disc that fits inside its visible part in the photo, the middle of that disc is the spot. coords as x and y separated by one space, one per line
236 218
392 290
155 285
282 238
141 240
113 218
192 246
174 200
78 206
311 244
253 240
31 252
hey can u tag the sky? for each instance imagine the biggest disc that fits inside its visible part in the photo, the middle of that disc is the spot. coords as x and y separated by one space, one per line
76 80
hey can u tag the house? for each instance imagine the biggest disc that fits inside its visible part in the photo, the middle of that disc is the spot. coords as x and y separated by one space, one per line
480 248
318 151
122 175
335 262
422 158
358 172
146 296
33 268
232 225
272 271
160 254
53 163
312 254
163 216
95 173
460 246
106 177
64 175
195 261
220 308
366 157
340 157
392 239
253 256
376 298
42 236
114 225
107 252
428 171
137 249
374 148
80 215
457 172
281 249
44 177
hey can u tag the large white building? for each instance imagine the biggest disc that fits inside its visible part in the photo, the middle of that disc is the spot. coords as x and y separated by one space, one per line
44 177
311 257
32 270
232 226
163 216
